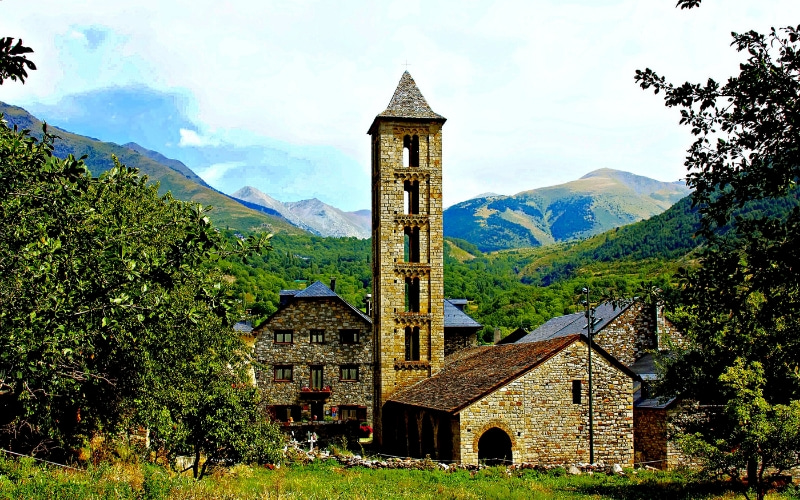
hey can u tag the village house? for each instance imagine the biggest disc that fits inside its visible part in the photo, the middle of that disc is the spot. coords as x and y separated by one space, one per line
317 349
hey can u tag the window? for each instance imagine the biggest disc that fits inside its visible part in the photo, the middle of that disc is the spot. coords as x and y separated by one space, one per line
316 378
348 336
412 343
283 373
284 336
576 391
411 151
412 291
352 413
348 372
317 336
284 413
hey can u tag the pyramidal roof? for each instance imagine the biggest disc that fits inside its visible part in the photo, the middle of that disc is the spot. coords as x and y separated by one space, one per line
408 102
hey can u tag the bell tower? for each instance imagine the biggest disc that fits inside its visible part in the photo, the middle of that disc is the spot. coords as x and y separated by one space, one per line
407 244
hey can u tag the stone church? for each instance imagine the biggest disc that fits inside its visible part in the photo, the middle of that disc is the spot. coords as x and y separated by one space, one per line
515 402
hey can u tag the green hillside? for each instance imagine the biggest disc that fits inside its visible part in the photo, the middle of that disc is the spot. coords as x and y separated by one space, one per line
172 175
599 201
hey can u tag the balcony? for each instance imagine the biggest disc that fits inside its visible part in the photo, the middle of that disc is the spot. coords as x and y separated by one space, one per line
412 365
315 394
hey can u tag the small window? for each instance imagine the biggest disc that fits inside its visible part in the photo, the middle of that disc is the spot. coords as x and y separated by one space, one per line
283 373
576 391
348 373
348 336
317 336
284 336
317 382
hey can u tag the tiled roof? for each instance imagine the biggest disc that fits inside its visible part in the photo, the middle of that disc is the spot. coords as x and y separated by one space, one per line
478 372
243 327
408 102
575 323
456 318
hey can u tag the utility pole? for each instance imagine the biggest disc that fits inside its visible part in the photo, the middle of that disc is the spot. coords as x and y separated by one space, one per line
589 330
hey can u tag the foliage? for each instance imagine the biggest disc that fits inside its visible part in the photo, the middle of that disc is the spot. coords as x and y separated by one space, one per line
108 292
14 63
739 309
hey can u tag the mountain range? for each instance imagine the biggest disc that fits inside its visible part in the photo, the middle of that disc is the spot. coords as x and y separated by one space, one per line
312 215
598 201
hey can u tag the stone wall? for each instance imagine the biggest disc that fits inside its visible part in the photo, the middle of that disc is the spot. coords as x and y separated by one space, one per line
545 426
634 332
302 316
650 436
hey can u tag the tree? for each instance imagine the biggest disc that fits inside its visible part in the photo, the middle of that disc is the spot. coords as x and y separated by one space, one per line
110 292
13 61
740 309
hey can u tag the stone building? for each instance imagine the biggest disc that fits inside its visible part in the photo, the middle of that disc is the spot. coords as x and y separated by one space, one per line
407 244
317 350
631 332
516 403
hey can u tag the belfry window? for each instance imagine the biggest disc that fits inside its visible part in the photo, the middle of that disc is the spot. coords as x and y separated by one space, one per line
412 294
411 197
412 343
411 151
411 244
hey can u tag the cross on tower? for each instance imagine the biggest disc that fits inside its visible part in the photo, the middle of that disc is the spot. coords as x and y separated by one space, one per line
406 64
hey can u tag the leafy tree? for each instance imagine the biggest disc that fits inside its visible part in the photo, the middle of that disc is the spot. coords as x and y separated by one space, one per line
13 61
741 307
110 292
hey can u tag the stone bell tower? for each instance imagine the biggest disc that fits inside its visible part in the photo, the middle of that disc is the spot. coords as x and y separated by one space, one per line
407 244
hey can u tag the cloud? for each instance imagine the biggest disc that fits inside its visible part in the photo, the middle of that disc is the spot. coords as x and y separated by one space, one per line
190 138
215 173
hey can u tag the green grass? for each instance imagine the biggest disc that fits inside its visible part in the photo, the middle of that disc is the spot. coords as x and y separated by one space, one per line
324 480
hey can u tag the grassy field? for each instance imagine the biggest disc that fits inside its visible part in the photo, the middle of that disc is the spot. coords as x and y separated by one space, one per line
25 479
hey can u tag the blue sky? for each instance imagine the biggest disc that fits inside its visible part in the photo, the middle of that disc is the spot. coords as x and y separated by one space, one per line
279 95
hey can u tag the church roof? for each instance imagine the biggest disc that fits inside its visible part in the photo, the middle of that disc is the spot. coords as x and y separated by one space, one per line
478 372
408 102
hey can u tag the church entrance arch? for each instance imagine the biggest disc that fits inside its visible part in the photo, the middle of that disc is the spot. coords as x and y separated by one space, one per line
494 447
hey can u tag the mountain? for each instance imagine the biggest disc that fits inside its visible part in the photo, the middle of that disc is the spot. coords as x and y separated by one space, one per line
600 200
312 215
171 175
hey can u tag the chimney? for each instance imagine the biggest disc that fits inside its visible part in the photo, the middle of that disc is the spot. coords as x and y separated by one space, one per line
333 284
369 305
496 335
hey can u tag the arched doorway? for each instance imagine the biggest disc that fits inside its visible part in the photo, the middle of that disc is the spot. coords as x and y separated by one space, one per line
494 447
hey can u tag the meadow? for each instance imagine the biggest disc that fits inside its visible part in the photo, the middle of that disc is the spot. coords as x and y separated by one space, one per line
328 479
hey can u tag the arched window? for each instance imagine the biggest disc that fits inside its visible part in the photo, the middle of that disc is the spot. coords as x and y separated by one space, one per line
412 343
411 151
412 295
411 244
411 197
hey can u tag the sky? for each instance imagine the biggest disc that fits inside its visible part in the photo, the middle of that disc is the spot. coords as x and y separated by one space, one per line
279 95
